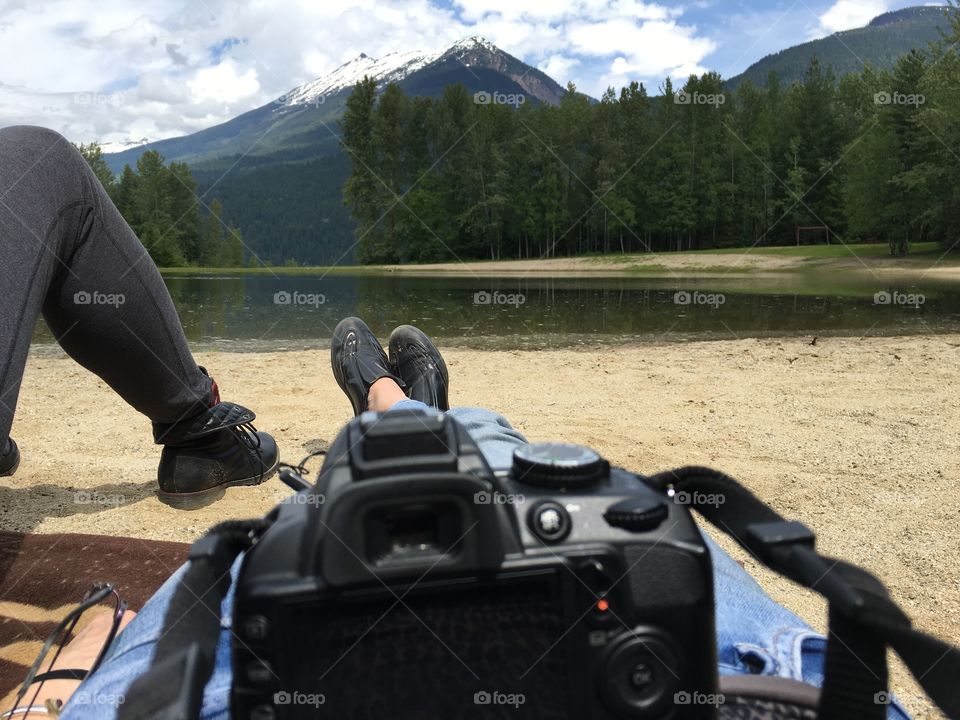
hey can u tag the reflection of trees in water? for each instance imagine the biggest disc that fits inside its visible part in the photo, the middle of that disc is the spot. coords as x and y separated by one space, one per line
210 307
572 308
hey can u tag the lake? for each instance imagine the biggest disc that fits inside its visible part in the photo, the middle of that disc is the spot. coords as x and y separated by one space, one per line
258 312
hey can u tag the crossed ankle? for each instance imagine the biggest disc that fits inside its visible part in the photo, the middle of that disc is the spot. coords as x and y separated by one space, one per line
384 394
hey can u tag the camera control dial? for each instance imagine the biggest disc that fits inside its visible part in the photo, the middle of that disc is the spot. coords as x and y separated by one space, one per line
558 466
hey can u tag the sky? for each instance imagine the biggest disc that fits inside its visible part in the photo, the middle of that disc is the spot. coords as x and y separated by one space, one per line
113 70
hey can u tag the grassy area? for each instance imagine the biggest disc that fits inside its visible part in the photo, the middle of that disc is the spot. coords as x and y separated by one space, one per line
275 271
835 250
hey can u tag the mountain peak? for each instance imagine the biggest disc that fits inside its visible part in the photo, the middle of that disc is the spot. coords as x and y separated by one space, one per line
392 67
472 43
389 68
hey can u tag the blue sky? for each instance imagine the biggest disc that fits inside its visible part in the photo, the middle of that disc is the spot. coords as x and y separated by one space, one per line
112 70
747 31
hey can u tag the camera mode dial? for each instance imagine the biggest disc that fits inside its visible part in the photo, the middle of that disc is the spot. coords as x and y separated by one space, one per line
558 466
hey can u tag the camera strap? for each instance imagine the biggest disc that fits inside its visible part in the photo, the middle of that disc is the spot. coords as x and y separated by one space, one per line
863 620
183 661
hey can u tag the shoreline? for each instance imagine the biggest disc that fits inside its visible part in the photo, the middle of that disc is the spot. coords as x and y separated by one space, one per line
546 342
735 262
856 437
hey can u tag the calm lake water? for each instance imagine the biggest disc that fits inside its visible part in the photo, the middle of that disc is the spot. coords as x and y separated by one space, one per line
293 312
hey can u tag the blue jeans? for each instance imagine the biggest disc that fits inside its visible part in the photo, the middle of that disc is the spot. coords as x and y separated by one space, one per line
755 635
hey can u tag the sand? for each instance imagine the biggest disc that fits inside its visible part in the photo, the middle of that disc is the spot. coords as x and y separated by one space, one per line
856 437
709 264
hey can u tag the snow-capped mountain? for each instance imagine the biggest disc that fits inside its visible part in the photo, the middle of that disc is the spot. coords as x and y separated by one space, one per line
302 124
393 68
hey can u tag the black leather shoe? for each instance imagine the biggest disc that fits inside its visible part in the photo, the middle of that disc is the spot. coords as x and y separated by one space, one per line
217 449
358 361
9 459
416 359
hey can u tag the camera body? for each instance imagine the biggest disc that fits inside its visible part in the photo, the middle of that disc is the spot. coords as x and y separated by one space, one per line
414 582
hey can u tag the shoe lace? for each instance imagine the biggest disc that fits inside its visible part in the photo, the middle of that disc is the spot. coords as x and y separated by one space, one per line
247 434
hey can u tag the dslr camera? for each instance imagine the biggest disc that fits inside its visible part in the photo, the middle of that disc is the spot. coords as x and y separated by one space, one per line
412 581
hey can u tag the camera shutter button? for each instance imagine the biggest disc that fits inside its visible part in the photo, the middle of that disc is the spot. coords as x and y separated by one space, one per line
549 521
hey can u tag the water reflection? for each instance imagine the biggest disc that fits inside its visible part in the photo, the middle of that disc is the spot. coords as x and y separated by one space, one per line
257 312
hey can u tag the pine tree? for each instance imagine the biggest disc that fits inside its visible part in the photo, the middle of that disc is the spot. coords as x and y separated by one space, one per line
212 251
362 192
233 249
94 157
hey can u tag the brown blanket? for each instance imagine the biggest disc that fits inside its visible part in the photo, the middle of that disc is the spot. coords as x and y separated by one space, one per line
42 577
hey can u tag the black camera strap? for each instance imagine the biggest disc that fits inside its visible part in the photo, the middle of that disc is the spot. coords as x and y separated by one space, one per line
172 689
863 620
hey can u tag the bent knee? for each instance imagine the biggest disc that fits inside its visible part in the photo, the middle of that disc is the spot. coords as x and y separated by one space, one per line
34 141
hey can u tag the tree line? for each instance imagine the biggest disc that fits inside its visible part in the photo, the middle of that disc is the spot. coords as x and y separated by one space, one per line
871 156
160 203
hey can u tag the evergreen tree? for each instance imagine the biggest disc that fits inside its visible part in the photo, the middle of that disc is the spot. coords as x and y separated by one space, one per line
363 193
233 249
94 157
211 250
705 168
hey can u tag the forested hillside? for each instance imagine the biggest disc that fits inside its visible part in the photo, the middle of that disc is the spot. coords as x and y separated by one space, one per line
868 156
161 204
292 212
880 44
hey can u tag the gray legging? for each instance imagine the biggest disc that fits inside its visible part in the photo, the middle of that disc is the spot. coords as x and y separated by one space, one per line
66 251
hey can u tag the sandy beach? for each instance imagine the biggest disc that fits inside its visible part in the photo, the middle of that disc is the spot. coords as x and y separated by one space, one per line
857 437
748 262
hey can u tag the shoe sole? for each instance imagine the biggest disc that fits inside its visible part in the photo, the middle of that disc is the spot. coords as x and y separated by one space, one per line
202 498
335 342
10 471
424 340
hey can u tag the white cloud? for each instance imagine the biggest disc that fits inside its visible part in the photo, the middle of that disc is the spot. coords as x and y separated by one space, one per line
646 53
849 14
223 83
558 67
114 70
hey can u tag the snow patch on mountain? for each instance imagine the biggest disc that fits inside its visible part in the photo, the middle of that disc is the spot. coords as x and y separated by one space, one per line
393 67
389 68
115 146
